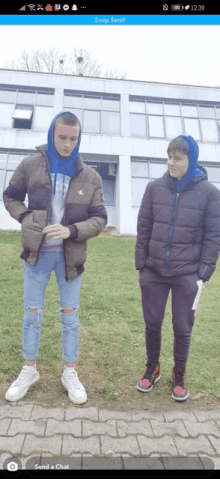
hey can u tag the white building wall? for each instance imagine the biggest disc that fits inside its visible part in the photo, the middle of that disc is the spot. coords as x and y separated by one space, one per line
124 195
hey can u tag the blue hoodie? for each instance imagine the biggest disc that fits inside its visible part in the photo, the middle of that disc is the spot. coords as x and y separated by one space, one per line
193 170
61 172
64 166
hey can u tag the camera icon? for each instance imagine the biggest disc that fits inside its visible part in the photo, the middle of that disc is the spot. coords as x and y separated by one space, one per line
12 466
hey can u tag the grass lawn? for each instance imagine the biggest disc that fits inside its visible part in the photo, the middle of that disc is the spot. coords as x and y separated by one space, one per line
111 343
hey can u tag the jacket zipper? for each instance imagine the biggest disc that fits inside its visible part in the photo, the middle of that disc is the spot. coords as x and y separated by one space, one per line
61 222
48 211
203 272
171 233
77 172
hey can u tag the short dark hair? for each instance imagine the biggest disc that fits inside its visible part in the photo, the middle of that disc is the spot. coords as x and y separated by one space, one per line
178 144
68 119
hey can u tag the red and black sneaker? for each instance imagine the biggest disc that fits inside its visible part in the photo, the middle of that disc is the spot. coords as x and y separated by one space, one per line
150 377
179 390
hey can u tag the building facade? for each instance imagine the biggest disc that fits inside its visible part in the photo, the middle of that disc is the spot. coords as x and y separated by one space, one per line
126 128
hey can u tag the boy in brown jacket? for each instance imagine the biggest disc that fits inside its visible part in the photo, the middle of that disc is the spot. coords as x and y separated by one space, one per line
65 208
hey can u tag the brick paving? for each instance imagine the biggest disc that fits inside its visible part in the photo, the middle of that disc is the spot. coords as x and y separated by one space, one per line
81 437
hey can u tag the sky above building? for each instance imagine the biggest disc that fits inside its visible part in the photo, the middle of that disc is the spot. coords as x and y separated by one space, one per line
182 54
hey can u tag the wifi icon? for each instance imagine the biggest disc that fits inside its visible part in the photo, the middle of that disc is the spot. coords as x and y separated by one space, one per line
31 6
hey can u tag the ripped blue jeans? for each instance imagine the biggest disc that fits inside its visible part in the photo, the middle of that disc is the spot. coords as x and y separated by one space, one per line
36 279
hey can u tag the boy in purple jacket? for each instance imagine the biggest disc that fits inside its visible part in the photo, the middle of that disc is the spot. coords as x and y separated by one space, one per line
177 247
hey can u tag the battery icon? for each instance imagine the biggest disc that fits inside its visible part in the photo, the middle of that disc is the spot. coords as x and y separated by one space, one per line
177 7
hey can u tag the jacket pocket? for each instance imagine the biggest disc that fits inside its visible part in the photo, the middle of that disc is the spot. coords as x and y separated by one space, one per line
31 228
76 253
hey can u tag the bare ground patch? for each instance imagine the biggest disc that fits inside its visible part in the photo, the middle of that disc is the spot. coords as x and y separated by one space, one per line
49 392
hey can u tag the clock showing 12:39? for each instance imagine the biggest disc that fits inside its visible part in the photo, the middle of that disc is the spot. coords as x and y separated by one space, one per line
197 8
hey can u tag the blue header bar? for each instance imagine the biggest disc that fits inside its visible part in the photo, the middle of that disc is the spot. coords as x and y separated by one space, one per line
109 19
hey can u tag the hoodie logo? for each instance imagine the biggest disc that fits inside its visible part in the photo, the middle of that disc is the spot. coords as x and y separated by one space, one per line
80 192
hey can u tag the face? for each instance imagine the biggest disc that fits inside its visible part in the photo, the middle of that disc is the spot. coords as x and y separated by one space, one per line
65 139
177 164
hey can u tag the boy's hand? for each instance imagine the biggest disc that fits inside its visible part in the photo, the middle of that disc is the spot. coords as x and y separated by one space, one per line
55 232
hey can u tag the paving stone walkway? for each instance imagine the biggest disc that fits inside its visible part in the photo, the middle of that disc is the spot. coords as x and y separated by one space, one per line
36 437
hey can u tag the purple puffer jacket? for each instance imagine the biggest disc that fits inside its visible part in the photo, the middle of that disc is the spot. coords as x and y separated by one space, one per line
178 233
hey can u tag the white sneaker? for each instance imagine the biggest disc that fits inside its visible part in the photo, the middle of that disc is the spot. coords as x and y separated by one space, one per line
70 381
19 388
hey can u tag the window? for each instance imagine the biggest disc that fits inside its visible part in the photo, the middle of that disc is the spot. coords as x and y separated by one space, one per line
8 95
189 110
73 101
140 169
108 181
173 126
2 182
141 173
138 187
22 116
91 121
138 124
110 122
173 122
171 109
192 128
44 98
213 173
42 118
155 108
26 97
206 112
156 128
112 104
108 191
9 161
18 106
3 160
136 107
145 170
3 163
92 103
98 113
209 130
169 119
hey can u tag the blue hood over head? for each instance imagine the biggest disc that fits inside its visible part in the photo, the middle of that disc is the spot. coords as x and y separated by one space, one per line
59 164
193 170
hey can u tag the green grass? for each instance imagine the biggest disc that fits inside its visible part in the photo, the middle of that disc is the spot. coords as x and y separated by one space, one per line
111 343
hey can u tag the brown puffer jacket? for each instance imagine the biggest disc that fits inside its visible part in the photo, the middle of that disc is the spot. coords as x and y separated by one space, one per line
84 212
178 233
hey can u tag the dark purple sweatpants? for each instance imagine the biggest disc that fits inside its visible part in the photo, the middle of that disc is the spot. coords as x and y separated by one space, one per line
154 298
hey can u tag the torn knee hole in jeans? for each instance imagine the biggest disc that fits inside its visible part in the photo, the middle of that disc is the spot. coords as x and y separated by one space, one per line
67 310
33 309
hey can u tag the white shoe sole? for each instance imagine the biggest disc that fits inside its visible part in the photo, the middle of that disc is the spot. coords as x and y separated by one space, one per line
180 399
21 395
71 399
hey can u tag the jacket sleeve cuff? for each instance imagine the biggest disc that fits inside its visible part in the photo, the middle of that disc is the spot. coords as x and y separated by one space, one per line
73 231
204 280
